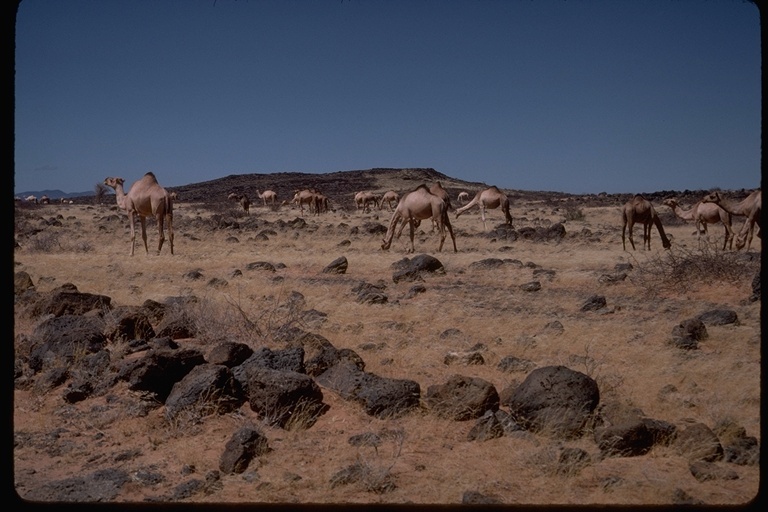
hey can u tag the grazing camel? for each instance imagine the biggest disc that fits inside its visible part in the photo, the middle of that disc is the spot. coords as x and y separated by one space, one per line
463 197
415 206
638 209
363 199
703 214
389 197
749 207
268 196
145 198
491 198
308 197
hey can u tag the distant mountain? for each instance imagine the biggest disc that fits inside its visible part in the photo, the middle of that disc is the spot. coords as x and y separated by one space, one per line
53 194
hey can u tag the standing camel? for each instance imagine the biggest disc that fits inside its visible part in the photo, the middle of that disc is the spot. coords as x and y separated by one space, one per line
146 198
463 197
415 206
268 196
308 197
638 209
703 214
362 200
491 198
389 197
246 204
749 207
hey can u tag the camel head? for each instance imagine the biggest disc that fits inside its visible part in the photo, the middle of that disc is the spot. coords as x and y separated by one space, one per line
113 182
672 203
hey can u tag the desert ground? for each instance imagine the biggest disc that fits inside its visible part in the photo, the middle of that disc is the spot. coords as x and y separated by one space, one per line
625 347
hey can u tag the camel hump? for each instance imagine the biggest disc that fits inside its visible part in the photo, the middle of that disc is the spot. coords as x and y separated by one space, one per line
151 176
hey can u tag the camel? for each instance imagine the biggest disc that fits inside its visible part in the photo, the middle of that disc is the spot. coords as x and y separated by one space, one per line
362 200
45 200
31 199
268 196
308 197
246 204
638 209
491 198
463 197
415 206
174 196
749 207
389 197
145 198
704 213
440 192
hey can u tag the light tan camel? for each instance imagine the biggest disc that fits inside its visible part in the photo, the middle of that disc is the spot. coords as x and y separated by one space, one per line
749 207
639 209
440 192
268 196
308 197
233 196
45 200
31 199
146 198
365 198
463 197
389 197
489 198
174 196
703 214
415 206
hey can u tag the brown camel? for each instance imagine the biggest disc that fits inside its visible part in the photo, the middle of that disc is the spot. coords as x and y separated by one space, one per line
245 203
703 214
389 197
491 198
463 197
268 196
415 206
749 207
146 198
174 196
638 209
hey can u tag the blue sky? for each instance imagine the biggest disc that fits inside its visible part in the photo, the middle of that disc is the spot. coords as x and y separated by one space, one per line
572 96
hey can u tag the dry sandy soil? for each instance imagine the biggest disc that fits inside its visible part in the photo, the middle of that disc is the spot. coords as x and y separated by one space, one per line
625 348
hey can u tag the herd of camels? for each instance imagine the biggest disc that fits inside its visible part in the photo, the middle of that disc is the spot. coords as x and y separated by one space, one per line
147 198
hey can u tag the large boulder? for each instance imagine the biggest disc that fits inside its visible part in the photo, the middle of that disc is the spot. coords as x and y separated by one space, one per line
554 400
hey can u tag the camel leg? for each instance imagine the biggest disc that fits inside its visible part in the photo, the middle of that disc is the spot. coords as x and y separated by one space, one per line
170 231
447 222
630 228
143 221
161 238
647 235
482 214
133 231
410 223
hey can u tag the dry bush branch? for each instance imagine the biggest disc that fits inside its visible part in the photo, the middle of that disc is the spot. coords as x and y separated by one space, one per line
680 268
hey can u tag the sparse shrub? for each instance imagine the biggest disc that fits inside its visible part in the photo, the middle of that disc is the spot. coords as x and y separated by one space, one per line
679 268
44 242
573 213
